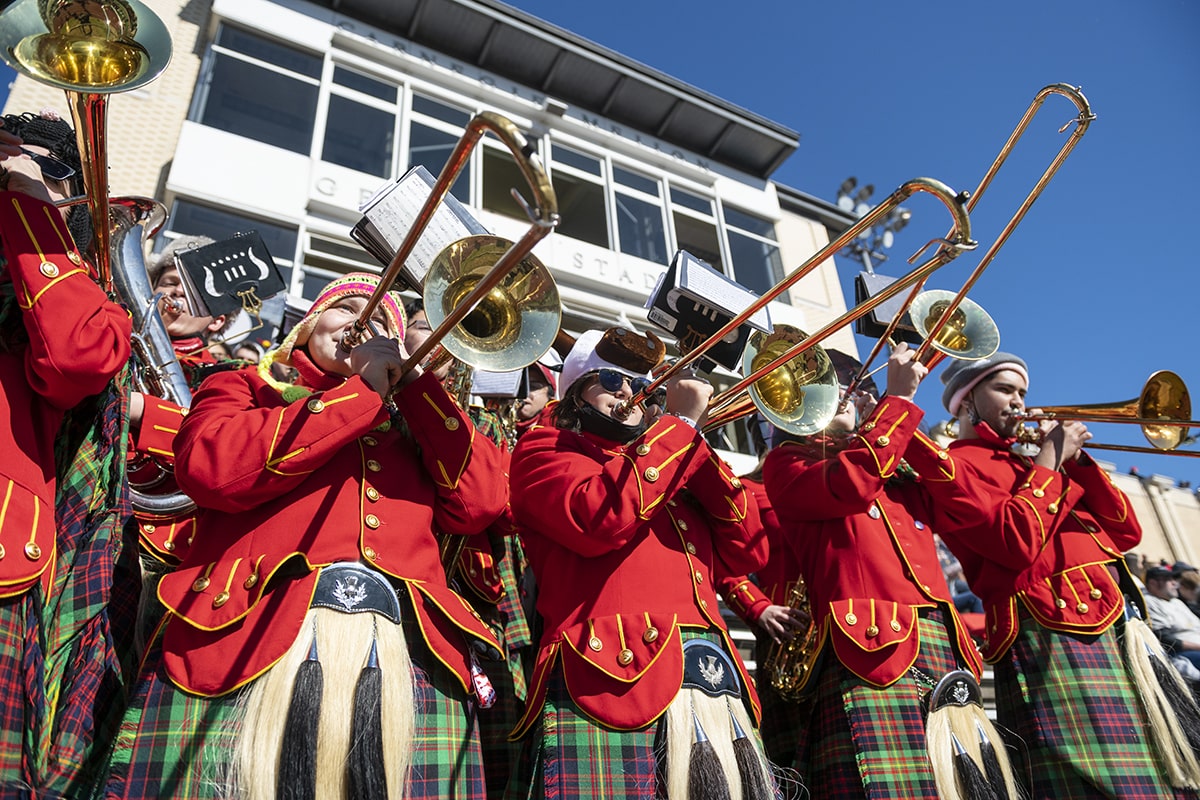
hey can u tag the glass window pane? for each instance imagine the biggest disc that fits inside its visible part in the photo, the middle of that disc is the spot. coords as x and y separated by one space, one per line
189 218
500 176
641 230
750 223
698 237
757 264
358 137
581 204
361 83
439 110
269 51
688 200
312 282
573 158
635 181
260 104
431 149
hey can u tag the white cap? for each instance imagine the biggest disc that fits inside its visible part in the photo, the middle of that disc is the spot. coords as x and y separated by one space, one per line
583 360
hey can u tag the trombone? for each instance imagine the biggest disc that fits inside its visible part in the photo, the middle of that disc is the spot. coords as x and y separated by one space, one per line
948 309
504 296
958 241
1162 410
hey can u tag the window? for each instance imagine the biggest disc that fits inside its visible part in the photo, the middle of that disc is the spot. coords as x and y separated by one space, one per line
359 137
640 227
261 90
695 227
500 176
579 186
434 131
757 264
360 128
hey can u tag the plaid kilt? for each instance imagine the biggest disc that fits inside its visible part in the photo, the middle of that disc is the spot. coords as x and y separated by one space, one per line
22 692
568 756
1069 698
88 615
867 742
176 744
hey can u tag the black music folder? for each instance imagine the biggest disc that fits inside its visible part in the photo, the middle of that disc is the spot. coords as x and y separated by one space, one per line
232 274
692 301
874 324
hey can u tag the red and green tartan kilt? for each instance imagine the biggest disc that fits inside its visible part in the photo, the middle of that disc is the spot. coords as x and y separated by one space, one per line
176 744
569 756
22 698
1071 701
868 742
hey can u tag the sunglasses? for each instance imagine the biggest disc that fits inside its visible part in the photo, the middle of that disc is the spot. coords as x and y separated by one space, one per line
51 167
612 381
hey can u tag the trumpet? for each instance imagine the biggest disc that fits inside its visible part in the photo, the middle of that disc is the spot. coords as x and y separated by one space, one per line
1162 410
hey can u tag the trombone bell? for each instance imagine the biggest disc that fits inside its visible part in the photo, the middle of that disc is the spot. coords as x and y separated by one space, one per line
514 324
97 47
969 335
801 397
1165 396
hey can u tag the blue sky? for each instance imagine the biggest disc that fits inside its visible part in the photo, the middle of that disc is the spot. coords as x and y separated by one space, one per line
1098 286
1096 289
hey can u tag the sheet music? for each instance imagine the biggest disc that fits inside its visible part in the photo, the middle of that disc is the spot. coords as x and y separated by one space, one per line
392 210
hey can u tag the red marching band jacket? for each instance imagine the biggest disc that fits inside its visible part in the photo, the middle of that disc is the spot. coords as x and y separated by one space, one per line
625 559
749 599
1047 542
286 488
863 545
77 342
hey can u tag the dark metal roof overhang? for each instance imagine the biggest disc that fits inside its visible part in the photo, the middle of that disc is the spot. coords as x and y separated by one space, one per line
498 38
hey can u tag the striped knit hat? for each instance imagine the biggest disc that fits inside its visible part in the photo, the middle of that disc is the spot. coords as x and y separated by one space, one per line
352 284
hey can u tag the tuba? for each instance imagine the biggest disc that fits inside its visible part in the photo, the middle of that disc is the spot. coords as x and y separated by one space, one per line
92 50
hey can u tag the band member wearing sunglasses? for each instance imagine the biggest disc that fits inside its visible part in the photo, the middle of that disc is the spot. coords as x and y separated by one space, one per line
626 521
312 646
63 347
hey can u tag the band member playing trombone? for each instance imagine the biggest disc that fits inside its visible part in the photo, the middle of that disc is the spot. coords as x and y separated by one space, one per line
1046 560
624 521
63 349
312 647
856 517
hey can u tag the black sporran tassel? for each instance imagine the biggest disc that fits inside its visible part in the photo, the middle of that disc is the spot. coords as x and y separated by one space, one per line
298 752
366 774
706 778
749 764
971 782
991 765
1179 699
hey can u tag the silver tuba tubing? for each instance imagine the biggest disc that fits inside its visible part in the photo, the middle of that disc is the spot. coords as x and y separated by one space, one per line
155 366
